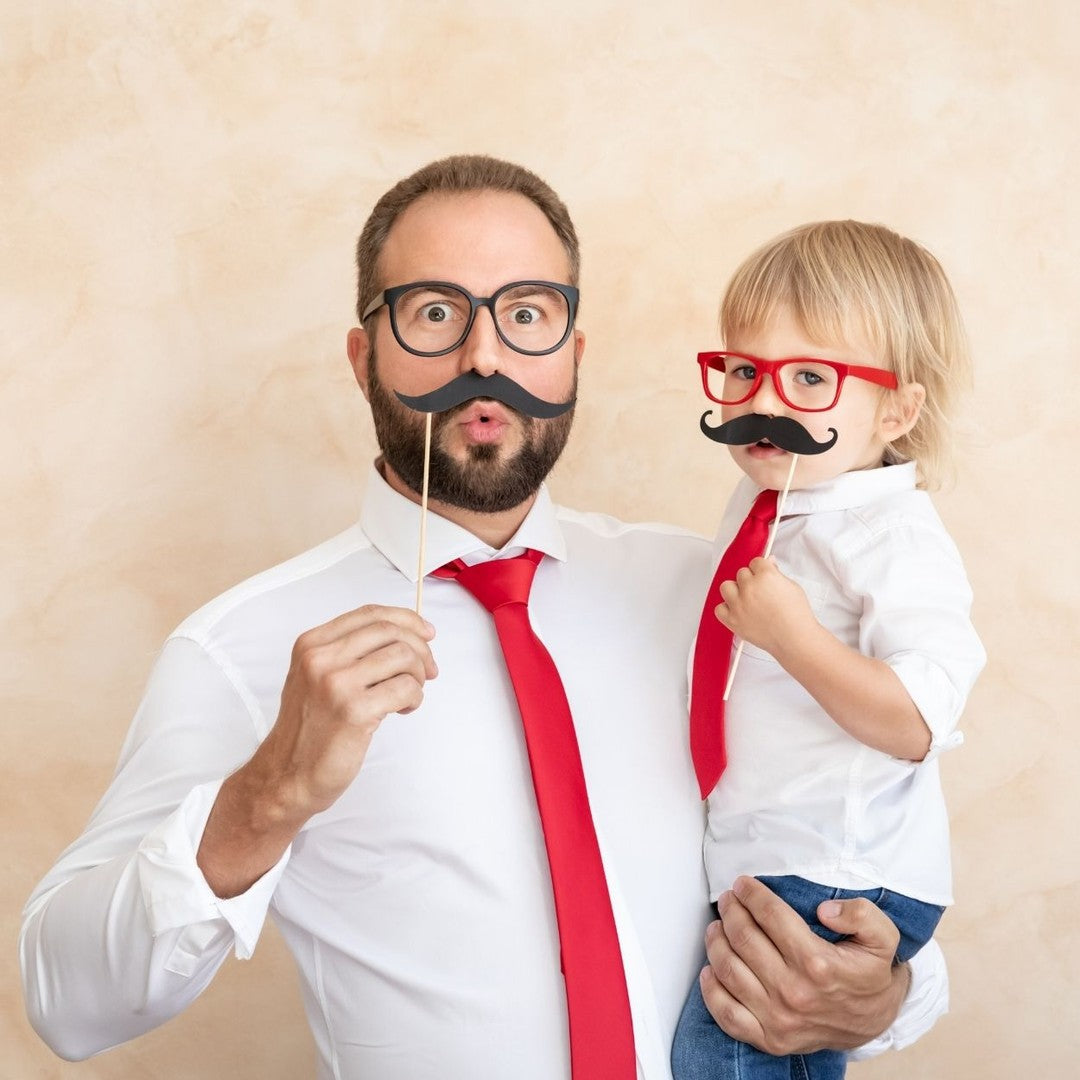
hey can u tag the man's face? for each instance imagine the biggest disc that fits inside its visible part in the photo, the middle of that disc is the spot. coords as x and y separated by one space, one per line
485 456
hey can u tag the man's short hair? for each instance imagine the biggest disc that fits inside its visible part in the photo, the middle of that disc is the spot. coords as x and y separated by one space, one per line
847 281
455 175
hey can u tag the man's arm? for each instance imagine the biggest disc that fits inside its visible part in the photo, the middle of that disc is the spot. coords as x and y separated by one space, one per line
344 678
126 930
772 982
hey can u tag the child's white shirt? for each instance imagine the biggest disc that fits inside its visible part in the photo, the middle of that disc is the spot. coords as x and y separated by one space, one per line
800 795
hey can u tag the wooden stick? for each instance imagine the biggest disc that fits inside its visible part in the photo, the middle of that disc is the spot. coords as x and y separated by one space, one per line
423 517
765 554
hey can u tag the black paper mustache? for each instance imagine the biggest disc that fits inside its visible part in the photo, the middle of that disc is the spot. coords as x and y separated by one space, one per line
781 431
497 387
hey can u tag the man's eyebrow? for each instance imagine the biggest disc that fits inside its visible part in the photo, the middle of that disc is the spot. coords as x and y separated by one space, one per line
443 290
530 288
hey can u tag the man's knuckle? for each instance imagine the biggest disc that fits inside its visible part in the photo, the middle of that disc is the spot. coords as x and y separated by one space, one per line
399 654
818 969
725 1012
724 968
335 684
405 692
860 910
798 998
781 1042
740 937
387 626
302 645
311 661
772 907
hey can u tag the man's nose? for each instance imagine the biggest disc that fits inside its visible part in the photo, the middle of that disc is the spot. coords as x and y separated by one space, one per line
482 349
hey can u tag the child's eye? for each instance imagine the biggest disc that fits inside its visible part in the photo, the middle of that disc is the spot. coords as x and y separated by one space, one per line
806 377
744 371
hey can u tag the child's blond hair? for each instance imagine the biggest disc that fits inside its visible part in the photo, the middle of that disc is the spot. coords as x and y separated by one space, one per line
849 281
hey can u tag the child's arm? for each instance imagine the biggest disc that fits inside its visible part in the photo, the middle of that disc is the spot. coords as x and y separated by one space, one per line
861 694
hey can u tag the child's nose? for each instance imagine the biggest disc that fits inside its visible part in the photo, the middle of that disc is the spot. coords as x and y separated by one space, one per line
766 400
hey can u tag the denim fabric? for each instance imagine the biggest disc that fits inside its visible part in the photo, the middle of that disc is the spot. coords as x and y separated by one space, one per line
702 1051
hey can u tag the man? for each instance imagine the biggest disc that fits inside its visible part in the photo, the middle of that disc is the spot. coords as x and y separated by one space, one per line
403 856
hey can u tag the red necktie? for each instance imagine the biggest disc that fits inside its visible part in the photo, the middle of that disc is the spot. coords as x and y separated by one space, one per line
712 653
598 1005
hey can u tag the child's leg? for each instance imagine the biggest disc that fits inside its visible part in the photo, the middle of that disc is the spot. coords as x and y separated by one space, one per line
703 1051
915 919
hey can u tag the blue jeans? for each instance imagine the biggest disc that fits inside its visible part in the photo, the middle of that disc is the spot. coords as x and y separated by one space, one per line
703 1051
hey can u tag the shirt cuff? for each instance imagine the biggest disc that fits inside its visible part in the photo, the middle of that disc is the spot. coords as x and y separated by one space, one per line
934 696
927 1000
174 891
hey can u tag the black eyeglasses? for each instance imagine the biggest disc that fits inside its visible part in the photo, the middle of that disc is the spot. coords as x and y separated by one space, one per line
432 318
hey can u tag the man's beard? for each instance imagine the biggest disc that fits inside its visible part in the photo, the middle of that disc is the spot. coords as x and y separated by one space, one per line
482 483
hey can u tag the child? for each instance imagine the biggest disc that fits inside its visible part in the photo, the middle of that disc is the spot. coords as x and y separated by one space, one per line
858 650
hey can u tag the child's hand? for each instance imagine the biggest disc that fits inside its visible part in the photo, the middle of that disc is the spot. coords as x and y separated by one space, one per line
764 607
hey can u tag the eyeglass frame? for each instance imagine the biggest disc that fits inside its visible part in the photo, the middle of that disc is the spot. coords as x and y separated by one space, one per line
763 367
390 296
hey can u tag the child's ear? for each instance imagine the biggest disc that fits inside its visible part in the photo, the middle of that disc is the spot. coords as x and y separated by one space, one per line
900 411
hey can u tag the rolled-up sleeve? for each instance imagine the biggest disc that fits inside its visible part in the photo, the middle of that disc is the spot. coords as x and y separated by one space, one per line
174 891
124 932
917 619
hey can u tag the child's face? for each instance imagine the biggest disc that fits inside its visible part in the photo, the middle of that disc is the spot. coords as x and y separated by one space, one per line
859 417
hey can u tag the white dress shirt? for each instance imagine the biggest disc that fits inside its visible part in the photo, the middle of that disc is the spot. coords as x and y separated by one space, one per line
418 907
800 795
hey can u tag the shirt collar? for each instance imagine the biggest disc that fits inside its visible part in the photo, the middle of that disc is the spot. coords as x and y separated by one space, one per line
852 489
392 524
844 492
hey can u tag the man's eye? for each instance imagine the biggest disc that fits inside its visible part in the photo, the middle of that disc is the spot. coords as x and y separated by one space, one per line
526 315
436 312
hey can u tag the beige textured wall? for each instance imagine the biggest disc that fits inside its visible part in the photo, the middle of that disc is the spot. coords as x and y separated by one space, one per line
182 187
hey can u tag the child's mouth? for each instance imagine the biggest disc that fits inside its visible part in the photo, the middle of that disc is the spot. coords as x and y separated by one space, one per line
764 450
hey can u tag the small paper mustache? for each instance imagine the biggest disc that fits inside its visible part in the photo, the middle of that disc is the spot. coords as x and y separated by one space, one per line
497 387
781 431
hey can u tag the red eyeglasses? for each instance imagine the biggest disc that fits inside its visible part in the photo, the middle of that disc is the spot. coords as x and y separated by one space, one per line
802 383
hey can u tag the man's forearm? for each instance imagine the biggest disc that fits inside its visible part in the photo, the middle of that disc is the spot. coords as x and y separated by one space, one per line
249 829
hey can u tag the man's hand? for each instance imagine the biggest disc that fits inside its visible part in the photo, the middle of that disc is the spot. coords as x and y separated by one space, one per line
344 679
764 607
773 983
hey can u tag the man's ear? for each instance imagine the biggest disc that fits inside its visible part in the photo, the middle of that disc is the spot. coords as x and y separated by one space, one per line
579 347
900 411
358 345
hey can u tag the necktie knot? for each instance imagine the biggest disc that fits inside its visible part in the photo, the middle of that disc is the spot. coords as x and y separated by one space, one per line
498 581
764 508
